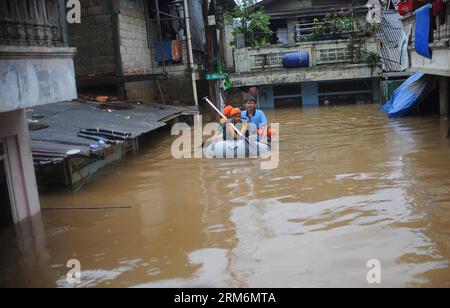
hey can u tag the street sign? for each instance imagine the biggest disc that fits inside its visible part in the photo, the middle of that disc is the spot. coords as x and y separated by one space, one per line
216 76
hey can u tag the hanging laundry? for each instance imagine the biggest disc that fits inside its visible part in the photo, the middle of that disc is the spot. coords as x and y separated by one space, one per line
176 51
423 31
167 49
439 11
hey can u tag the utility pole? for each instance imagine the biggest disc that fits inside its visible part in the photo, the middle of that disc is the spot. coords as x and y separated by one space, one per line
190 52
210 51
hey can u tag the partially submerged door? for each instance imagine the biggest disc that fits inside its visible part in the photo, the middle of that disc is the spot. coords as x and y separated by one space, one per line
6 216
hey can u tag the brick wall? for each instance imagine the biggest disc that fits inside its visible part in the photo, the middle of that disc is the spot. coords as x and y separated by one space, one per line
134 45
93 38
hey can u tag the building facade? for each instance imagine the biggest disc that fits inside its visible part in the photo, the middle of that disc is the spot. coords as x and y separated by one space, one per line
36 68
138 49
438 61
342 65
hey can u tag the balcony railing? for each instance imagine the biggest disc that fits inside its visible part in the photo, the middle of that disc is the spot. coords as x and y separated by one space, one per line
32 23
304 33
441 35
439 63
320 53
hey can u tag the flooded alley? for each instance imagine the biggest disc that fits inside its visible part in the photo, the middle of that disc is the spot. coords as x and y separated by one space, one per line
351 186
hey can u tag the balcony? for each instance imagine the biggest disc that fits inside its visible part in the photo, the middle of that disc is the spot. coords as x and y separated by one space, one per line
36 64
264 65
439 64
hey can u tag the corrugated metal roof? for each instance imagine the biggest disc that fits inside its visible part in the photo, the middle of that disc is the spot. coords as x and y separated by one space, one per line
395 3
65 121
391 34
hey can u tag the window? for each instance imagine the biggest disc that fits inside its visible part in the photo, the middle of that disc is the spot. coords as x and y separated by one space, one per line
333 55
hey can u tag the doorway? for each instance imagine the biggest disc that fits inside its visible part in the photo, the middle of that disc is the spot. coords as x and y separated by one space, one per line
6 216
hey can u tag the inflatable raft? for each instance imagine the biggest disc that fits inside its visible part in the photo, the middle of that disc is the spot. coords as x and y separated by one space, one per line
237 149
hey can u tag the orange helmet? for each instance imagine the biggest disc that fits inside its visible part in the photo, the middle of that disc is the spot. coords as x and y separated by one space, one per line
235 111
227 110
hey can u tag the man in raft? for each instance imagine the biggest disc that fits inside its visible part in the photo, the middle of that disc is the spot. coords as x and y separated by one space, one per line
230 133
256 119
226 112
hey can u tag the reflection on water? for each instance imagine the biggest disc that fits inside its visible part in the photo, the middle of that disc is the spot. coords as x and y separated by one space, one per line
351 186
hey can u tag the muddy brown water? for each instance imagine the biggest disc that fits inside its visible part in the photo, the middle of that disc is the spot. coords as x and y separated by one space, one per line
351 186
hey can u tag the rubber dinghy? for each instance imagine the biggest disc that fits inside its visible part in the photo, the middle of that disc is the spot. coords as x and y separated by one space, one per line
237 149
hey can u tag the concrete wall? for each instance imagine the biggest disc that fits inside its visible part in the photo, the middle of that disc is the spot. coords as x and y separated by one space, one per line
439 64
143 91
228 49
135 48
134 44
175 91
14 130
322 73
245 58
93 38
31 76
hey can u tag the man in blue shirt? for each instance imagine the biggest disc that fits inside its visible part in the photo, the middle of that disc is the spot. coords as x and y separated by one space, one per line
253 115
255 118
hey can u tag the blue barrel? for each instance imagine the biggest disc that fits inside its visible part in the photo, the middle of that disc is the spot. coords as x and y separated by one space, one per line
296 59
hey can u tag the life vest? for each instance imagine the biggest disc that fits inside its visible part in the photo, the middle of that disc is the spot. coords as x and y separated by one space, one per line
230 132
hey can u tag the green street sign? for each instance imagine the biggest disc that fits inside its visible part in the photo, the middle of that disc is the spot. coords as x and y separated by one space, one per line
216 76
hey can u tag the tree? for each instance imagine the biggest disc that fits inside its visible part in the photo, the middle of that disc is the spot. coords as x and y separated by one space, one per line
252 22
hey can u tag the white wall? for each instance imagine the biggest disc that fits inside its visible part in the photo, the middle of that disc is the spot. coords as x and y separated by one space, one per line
14 130
31 76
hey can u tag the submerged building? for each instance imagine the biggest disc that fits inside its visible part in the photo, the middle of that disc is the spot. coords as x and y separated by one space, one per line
339 49
140 49
428 31
36 68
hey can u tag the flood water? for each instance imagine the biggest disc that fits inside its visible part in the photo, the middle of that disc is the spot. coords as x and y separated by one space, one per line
351 186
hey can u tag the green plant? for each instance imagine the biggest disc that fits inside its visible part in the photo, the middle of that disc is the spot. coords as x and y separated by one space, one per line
371 29
373 58
318 30
338 25
253 23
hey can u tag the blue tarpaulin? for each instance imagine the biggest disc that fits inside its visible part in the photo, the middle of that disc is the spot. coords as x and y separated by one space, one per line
413 91
423 30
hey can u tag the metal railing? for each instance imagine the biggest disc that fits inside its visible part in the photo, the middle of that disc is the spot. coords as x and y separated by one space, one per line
304 31
320 53
270 60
